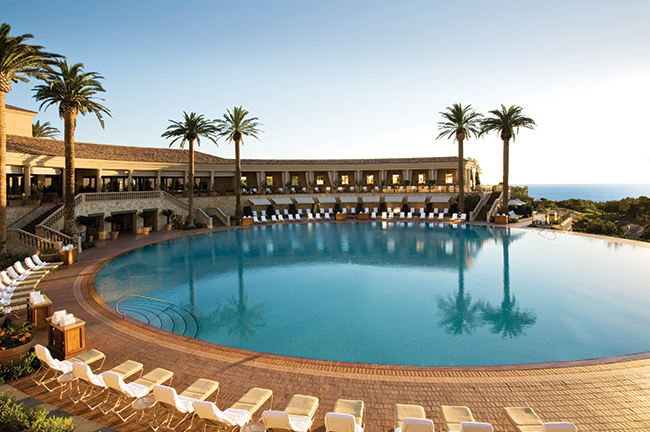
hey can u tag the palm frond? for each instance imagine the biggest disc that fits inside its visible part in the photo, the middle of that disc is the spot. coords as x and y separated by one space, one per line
235 125
192 127
70 86
459 122
506 121
20 61
45 130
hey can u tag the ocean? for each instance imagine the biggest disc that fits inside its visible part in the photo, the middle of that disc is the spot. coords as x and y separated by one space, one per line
593 192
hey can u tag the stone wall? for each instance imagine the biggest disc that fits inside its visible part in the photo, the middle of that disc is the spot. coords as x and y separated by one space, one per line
25 214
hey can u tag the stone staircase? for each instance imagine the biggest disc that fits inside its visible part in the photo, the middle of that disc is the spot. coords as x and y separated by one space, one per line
482 214
31 227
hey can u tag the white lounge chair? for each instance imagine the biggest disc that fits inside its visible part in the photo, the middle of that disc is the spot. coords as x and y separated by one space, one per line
277 212
280 218
454 216
263 219
373 215
423 215
353 210
256 219
120 395
366 210
411 418
327 216
263 212
43 264
409 215
348 416
299 211
290 217
311 216
344 210
441 216
174 406
5 279
274 218
463 216
454 416
91 382
318 216
524 419
384 215
297 416
238 415
297 217
402 215
446 211
254 212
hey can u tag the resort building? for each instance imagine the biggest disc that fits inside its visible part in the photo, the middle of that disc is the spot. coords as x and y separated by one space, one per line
111 169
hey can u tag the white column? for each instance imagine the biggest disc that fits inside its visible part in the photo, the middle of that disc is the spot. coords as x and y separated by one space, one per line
358 176
158 180
308 175
211 180
258 175
129 179
435 176
430 175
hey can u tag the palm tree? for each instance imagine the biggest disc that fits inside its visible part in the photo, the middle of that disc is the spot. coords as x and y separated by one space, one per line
505 121
459 314
18 62
233 127
45 130
461 123
191 129
75 92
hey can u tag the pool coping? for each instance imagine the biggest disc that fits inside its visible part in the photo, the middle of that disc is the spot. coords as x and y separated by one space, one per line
334 366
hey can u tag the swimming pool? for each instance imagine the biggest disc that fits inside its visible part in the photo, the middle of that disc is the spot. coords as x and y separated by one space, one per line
398 293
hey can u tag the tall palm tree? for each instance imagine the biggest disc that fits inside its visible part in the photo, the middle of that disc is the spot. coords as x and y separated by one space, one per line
461 123
191 129
233 127
18 62
75 92
45 130
505 121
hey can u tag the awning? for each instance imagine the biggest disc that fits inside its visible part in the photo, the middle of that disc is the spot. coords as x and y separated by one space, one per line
282 201
370 199
115 173
417 198
349 199
394 198
167 173
302 200
13 169
440 199
224 174
259 201
45 171
516 202
327 200
137 173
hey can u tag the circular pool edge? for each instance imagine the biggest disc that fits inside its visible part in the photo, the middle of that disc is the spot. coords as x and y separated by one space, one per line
348 366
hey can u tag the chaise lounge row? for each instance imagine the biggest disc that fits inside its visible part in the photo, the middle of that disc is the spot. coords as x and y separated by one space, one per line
148 397
16 282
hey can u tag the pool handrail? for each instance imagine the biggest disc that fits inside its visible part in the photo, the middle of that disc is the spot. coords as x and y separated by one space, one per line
171 304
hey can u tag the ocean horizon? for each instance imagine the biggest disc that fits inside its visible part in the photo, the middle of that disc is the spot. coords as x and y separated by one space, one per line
592 192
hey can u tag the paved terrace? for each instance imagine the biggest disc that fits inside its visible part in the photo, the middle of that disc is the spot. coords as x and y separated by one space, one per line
610 395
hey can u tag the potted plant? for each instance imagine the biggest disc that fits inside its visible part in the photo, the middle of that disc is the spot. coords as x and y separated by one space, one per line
407 182
114 220
49 254
168 213
36 194
15 340
146 215
14 200
89 222
432 182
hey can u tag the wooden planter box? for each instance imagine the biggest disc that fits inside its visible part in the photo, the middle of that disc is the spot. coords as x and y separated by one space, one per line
15 203
246 221
341 216
501 219
363 216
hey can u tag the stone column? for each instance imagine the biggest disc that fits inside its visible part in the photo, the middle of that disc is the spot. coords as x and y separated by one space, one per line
435 176
211 180
129 179
98 180
430 175
158 180
27 179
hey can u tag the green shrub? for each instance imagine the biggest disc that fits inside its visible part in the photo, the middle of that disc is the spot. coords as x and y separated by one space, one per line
11 259
17 417
597 226
26 365
88 244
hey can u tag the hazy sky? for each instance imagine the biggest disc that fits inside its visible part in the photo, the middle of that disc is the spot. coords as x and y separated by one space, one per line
367 79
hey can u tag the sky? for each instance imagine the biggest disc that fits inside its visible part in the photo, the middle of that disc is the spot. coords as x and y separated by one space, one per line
366 79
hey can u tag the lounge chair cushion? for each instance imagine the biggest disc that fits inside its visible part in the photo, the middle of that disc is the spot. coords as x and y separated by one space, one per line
155 377
210 412
88 357
200 389
351 407
453 416
127 368
253 400
45 356
283 421
303 406
416 425
167 396
523 419
83 372
336 422
403 411
132 390
559 427
475 427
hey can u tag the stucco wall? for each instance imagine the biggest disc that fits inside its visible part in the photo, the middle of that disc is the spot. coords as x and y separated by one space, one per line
19 123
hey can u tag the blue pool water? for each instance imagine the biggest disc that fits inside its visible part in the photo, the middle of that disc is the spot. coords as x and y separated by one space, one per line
396 293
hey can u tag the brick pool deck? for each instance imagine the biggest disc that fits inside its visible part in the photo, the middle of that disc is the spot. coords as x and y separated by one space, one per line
600 395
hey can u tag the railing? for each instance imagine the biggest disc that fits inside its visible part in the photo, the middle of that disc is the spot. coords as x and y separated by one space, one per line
29 242
493 208
173 199
473 213
20 222
119 196
53 235
204 218
142 297
215 211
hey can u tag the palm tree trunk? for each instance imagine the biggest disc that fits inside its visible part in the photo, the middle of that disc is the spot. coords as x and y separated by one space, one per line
3 176
238 209
461 178
190 190
69 209
506 168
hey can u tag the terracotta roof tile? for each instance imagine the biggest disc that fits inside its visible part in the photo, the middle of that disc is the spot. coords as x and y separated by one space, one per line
42 146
